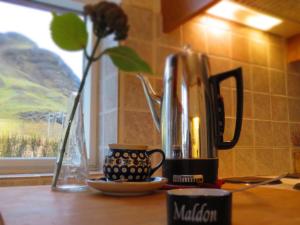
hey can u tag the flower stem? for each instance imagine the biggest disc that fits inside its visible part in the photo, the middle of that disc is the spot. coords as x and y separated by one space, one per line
72 114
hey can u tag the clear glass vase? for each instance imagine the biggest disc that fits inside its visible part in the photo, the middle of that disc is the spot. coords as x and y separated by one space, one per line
74 168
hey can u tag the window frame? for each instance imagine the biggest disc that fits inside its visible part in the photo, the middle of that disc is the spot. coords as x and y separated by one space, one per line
90 95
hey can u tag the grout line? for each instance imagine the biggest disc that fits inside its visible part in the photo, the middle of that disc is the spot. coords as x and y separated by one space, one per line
262 147
295 123
264 120
264 93
271 107
135 110
290 155
253 116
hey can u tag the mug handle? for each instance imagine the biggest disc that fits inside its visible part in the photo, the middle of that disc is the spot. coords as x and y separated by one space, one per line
149 153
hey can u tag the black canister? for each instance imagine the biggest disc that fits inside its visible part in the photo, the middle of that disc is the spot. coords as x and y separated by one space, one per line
196 206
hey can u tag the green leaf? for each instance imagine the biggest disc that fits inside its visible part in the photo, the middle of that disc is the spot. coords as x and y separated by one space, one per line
68 31
127 59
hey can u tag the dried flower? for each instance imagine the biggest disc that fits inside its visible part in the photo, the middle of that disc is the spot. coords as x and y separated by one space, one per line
108 18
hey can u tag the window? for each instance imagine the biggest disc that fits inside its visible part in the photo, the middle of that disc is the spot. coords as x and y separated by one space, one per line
37 80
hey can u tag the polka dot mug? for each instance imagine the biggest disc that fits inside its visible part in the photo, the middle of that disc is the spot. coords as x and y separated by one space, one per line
130 162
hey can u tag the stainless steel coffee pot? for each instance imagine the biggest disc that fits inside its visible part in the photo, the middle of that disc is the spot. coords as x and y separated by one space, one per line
191 118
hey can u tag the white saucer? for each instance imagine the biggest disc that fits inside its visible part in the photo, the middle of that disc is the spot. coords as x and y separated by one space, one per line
127 188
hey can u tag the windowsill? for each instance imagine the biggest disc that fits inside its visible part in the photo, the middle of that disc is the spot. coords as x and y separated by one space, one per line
32 179
24 176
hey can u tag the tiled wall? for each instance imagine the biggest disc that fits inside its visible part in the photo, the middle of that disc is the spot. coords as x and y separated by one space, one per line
272 96
272 93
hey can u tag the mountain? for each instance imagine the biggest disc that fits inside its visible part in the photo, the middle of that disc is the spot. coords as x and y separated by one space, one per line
32 80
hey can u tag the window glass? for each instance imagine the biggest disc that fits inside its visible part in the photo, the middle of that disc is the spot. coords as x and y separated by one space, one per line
37 82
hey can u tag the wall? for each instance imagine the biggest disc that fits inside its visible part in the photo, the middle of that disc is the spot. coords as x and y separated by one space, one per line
272 96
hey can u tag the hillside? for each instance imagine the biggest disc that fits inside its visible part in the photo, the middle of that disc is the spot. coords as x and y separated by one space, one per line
32 80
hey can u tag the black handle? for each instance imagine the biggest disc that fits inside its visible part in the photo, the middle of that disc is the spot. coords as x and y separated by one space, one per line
218 108
149 153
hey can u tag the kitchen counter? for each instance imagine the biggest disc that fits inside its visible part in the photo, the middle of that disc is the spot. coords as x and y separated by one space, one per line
38 205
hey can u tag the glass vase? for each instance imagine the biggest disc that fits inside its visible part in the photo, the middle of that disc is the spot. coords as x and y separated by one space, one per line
74 168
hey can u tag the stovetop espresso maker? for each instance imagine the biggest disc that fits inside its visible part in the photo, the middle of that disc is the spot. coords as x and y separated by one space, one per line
192 119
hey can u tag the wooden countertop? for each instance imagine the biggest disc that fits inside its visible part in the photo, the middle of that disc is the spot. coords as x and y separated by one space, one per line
38 205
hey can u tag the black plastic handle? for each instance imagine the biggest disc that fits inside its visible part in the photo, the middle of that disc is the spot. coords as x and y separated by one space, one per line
149 153
218 108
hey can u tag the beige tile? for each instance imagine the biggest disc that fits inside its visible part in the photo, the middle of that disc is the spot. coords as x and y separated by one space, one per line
144 49
248 105
159 86
276 54
157 6
258 53
262 106
246 70
260 76
294 110
157 137
296 161
228 101
229 129
282 161
155 160
161 56
140 21
240 48
239 29
226 163
279 108
276 40
218 41
277 82
140 3
293 85
263 134
172 38
264 161
246 137
220 65
136 128
258 35
280 134
132 95
244 162
194 35
295 134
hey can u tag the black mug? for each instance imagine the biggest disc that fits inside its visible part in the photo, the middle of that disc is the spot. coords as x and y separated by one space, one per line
130 162
195 206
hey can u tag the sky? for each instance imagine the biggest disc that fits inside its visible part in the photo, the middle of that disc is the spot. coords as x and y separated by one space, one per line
35 24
